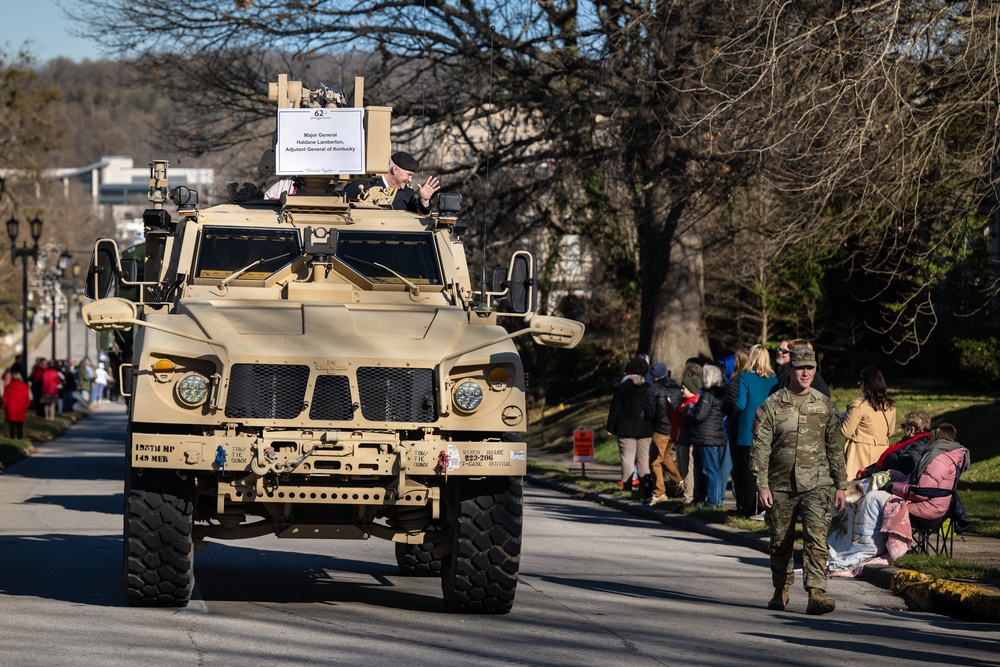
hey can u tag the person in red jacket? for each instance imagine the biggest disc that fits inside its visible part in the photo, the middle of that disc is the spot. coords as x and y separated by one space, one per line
16 400
51 383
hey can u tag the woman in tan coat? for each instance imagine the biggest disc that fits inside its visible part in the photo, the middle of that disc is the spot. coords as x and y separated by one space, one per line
870 421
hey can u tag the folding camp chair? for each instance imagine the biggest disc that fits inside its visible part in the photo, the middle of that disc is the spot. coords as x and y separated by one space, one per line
934 536
937 536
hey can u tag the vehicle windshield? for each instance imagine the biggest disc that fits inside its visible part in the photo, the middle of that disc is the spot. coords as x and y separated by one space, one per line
225 250
383 257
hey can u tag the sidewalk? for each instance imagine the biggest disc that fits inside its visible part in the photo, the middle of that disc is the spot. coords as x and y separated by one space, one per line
970 600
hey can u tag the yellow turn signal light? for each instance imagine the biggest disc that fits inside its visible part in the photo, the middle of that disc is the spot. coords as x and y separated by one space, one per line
163 368
498 377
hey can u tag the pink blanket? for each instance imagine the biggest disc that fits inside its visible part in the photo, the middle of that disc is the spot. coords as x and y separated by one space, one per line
896 526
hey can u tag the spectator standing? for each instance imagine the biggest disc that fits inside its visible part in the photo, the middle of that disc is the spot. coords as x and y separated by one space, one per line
36 386
870 420
690 391
14 368
16 401
662 402
84 382
753 388
100 384
68 393
625 421
781 361
51 384
708 436
740 362
796 456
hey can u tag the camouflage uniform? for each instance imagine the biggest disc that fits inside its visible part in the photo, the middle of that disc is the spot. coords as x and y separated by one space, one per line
798 454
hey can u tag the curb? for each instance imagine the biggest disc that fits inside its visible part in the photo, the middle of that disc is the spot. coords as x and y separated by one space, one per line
958 599
19 456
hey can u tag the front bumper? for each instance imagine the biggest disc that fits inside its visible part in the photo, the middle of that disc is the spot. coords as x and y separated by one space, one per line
318 455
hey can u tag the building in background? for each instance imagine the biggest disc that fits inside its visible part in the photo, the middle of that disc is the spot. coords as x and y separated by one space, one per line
116 183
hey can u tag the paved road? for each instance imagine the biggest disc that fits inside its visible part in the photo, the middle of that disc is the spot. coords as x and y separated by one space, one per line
82 342
597 588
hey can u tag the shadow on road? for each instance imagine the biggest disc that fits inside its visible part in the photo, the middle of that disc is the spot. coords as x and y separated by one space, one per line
85 570
102 504
231 573
96 465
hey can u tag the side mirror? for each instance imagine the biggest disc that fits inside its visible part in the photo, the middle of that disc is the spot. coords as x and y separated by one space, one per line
105 270
556 331
109 314
523 286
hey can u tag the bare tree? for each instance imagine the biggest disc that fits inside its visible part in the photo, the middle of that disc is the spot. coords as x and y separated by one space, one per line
27 131
581 102
875 121
864 128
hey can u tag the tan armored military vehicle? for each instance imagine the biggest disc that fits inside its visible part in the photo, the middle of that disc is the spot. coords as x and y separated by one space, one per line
317 367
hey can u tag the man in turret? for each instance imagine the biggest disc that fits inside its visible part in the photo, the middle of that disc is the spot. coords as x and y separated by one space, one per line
399 177
796 457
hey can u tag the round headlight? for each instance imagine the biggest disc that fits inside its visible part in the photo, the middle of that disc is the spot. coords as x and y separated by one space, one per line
468 396
193 389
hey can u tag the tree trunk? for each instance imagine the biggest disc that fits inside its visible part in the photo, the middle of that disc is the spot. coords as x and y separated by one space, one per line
672 324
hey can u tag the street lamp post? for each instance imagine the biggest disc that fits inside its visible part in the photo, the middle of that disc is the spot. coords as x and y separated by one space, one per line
52 332
52 280
24 252
71 292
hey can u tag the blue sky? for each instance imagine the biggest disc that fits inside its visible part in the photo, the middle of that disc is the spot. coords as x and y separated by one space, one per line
43 24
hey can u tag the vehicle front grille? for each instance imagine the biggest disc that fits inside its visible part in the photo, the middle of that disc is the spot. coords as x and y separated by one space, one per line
266 391
397 394
332 398
277 391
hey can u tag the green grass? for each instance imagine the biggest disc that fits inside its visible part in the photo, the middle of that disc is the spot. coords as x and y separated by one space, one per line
606 451
942 567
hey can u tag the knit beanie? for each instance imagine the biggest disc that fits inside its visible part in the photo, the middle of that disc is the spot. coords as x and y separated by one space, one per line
693 383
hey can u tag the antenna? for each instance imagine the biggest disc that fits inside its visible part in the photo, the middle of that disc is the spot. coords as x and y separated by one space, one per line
489 153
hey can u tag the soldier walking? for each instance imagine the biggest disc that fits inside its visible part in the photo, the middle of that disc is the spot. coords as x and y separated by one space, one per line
796 456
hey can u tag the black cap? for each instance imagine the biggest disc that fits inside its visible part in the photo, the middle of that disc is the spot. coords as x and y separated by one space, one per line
405 161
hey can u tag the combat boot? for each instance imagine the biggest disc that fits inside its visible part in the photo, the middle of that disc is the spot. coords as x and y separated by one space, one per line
819 603
780 599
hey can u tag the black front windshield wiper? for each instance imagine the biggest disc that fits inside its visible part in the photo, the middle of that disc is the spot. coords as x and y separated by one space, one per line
239 272
414 290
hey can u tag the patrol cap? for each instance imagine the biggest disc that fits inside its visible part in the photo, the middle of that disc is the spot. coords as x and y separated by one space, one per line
802 357
405 161
658 370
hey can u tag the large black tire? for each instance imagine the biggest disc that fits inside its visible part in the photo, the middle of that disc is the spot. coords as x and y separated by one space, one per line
416 560
159 547
479 576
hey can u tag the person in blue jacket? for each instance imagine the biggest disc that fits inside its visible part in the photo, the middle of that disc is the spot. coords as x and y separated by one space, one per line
755 385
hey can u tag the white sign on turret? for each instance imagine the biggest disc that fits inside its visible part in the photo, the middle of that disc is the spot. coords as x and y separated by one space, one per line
320 141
